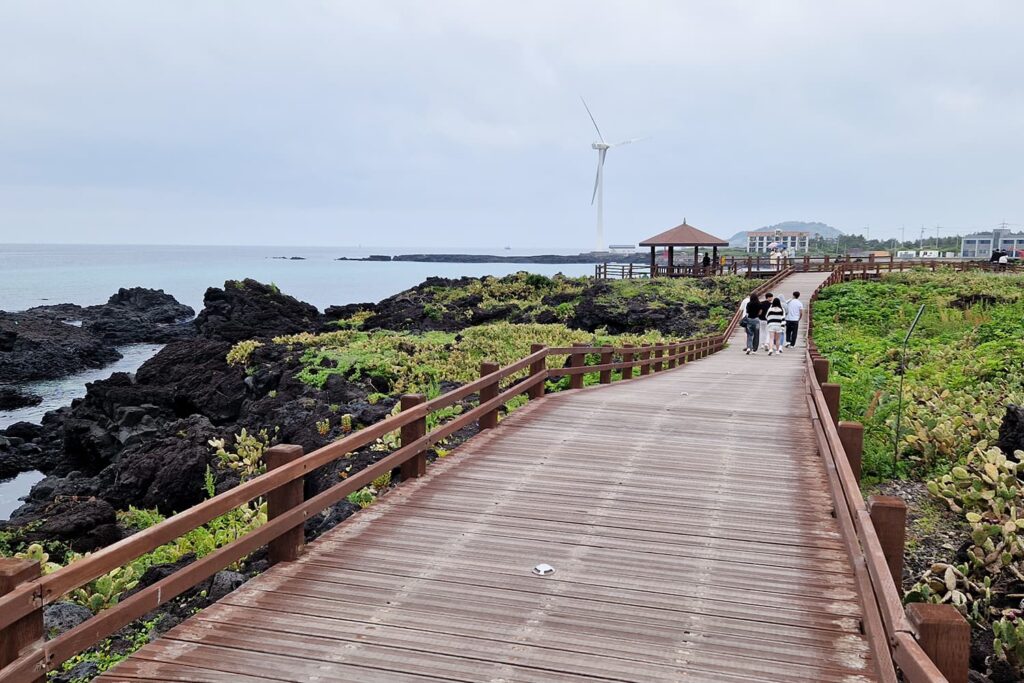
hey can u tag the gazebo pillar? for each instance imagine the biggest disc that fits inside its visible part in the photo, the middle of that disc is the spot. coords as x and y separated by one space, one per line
696 259
671 259
654 263
714 259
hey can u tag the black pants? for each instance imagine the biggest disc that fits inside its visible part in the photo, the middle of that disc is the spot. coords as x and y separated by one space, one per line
791 327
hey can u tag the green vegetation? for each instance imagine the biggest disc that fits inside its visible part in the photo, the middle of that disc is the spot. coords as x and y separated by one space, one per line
111 651
417 363
965 364
242 351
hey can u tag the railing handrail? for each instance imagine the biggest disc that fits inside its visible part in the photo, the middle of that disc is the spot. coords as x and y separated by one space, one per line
899 636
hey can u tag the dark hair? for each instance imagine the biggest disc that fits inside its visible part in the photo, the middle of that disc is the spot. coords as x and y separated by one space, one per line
796 295
753 295
768 295
777 302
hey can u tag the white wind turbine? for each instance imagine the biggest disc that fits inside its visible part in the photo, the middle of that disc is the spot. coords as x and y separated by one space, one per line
602 148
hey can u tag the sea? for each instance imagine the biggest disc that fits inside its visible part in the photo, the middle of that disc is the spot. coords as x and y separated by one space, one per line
37 275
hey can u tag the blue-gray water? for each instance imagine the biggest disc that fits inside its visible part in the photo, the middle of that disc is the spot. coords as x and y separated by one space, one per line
60 392
35 275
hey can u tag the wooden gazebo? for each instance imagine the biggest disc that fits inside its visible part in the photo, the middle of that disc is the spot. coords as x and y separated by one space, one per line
683 236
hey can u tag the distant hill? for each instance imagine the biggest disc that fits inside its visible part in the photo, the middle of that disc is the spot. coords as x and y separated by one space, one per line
827 231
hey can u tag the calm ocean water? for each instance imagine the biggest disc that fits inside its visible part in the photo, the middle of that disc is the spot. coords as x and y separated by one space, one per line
34 275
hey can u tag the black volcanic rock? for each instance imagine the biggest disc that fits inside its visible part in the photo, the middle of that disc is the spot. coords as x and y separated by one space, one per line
1011 431
41 347
46 342
249 309
140 315
12 398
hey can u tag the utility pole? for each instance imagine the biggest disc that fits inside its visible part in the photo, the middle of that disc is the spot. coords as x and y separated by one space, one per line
920 244
903 235
936 237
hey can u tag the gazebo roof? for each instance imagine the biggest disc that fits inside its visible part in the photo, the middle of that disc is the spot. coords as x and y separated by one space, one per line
684 236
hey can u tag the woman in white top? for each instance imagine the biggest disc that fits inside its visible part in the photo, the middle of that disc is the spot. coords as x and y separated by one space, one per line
776 317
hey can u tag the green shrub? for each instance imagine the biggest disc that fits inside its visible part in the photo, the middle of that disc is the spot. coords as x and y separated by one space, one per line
242 351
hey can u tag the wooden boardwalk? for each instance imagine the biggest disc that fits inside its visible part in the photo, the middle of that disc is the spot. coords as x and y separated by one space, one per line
687 516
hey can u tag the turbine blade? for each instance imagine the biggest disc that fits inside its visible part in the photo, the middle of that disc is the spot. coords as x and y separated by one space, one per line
601 137
630 141
597 179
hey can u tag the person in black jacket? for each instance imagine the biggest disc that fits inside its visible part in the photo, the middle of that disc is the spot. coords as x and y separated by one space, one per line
753 323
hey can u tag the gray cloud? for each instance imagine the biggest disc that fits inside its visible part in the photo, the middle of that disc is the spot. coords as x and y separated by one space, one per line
458 123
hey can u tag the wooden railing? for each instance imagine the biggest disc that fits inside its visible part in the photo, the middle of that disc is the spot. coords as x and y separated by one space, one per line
759 266
929 643
24 593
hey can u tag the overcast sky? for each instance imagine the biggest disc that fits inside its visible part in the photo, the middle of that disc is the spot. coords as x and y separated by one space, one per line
459 123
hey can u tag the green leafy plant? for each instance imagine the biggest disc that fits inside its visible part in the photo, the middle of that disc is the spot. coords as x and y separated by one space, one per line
1008 642
247 457
240 353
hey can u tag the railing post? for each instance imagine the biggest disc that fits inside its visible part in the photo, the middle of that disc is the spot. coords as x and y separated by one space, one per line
28 630
945 636
488 420
658 353
831 392
889 517
577 360
287 546
606 359
821 369
645 355
536 368
415 466
627 357
672 350
851 435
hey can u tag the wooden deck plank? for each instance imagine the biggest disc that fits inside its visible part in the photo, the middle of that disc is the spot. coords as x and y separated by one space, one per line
687 515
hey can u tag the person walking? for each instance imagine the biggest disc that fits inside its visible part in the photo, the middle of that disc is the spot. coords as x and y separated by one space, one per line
752 325
794 314
765 305
776 316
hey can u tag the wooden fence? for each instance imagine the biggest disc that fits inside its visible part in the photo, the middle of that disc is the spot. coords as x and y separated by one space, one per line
762 266
929 643
24 593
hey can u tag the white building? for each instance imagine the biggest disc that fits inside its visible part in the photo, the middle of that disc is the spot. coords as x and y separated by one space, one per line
622 248
981 244
794 242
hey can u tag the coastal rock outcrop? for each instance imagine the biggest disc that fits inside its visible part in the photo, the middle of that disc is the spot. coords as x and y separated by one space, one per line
11 398
36 346
247 309
140 315
47 342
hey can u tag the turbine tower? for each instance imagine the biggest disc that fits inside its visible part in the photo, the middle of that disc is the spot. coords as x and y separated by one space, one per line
602 148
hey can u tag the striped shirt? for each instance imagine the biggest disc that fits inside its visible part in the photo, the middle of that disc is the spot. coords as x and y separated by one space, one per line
776 315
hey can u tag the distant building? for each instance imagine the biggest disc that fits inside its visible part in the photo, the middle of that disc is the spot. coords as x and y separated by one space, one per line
794 242
981 244
622 248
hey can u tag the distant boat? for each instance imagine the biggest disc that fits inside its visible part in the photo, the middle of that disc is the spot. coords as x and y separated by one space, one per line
508 248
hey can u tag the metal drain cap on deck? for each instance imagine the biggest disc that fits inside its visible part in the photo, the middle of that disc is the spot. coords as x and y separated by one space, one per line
543 570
